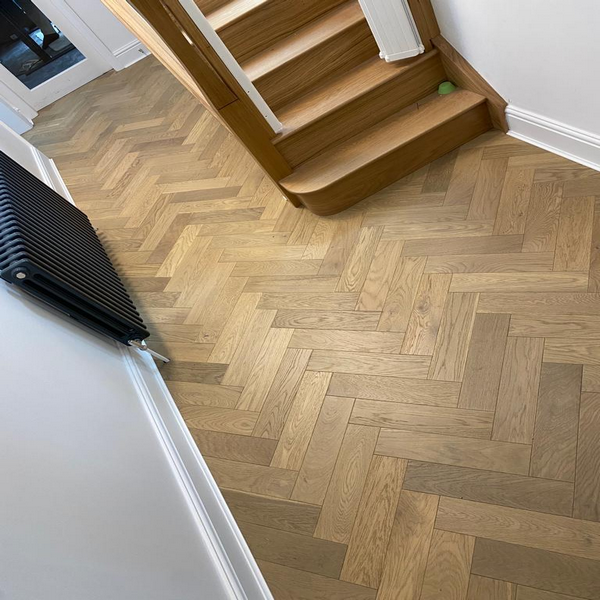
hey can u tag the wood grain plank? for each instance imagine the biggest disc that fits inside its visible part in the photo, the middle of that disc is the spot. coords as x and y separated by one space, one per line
281 396
591 378
299 426
203 394
426 316
582 327
491 487
426 419
194 372
517 396
491 589
541 226
244 357
229 446
234 328
452 345
401 295
528 593
572 351
574 242
448 567
354 341
380 276
542 304
491 244
488 189
347 483
537 569
464 177
258 479
406 560
519 282
514 202
395 389
265 369
483 369
526 528
450 450
321 455
373 525
420 231
322 319
225 420
490 263
272 512
357 266
385 365
293 584
308 301
555 436
587 486
295 550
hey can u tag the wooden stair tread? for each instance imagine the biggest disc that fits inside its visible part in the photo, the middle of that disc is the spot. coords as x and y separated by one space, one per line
232 12
340 91
378 141
314 33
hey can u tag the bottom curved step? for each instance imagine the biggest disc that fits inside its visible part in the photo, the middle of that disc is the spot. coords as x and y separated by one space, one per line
345 174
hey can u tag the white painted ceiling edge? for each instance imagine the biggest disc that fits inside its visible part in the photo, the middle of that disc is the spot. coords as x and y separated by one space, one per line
542 57
105 494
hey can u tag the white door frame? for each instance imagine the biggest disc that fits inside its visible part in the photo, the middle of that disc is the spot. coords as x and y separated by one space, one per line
93 66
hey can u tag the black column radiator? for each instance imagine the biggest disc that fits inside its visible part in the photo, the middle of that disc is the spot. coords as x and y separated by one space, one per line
49 249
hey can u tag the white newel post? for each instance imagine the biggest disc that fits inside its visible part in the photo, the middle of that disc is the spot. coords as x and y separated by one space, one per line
393 27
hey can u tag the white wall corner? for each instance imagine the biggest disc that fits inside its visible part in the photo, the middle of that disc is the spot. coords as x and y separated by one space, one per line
574 144
130 53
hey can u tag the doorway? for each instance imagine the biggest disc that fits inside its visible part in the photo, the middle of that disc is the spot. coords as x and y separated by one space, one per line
43 55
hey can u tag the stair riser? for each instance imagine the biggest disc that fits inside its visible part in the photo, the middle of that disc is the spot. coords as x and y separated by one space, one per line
375 106
345 51
258 29
379 174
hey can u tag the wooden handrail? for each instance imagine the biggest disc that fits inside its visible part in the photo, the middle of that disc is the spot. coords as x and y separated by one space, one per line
173 37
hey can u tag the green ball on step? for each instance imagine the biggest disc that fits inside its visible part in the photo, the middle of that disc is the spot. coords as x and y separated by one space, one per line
446 88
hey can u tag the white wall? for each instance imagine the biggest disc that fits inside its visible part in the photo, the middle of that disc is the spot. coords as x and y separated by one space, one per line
104 495
112 39
542 56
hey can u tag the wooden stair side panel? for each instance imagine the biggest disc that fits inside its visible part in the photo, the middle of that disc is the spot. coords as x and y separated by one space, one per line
248 27
367 95
464 75
337 179
340 40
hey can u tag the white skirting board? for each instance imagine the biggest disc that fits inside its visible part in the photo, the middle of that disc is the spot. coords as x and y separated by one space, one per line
129 54
214 519
574 144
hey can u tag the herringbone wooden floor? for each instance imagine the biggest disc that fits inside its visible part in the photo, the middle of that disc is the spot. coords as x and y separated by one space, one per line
398 402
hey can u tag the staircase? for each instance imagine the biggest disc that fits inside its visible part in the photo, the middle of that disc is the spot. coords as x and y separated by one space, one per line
352 123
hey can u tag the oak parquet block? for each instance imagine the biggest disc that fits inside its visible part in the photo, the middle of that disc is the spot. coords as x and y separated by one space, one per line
345 490
373 526
554 449
491 487
551 571
406 561
322 452
517 396
587 488
272 512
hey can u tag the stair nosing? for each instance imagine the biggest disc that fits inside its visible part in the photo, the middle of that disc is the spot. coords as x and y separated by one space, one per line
290 57
475 100
288 132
